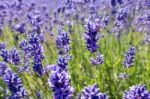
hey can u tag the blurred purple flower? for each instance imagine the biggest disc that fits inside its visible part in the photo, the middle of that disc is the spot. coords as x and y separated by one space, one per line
3 68
5 55
123 76
62 42
12 81
15 85
129 57
60 84
91 36
2 46
113 3
38 95
99 60
14 56
20 28
62 63
137 92
37 53
92 92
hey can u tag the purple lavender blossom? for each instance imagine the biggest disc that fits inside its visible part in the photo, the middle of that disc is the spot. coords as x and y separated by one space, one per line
51 68
129 57
122 15
15 85
90 36
32 49
113 3
60 84
2 46
148 3
12 81
62 42
20 28
5 55
123 76
26 56
38 95
120 1
137 92
62 63
36 52
3 67
24 46
14 56
121 21
92 92
99 60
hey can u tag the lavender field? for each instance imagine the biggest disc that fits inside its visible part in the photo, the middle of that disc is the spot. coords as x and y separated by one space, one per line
74 49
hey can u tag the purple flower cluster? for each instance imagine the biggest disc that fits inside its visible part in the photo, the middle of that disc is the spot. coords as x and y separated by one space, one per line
99 60
11 56
36 51
59 79
12 81
114 2
91 36
38 95
129 57
14 56
24 46
32 50
60 84
62 42
92 92
121 21
62 63
20 27
5 55
137 92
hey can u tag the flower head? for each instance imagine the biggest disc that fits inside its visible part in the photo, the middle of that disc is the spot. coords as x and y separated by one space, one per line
12 81
137 92
62 63
113 3
99 60
14 84
36 51
3 68
20 28
92 92
14 56
91 36
62 42
2 46
38 95
60 84
5 55
129 57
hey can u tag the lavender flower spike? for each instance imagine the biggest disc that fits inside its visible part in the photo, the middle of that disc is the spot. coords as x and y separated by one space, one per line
15 85
13 82
14 56
92 92
37 53
60 85
99 60
62 42
3 68
129 57
137 92
91 36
